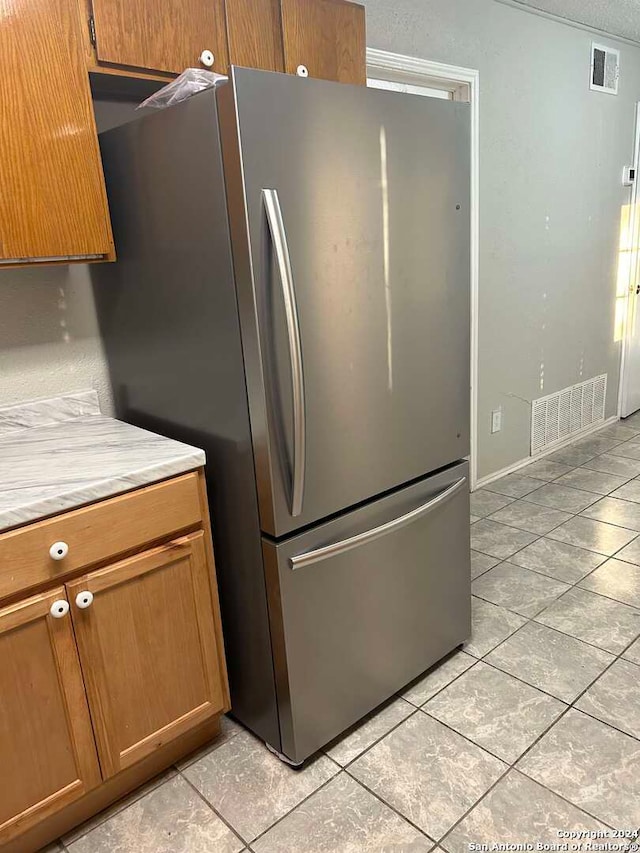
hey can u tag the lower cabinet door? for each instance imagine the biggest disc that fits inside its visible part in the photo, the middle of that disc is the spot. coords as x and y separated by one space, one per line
47 751
146 634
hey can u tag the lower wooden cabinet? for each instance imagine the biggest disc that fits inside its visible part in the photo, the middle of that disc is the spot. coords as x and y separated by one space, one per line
47 751
105 675
148 650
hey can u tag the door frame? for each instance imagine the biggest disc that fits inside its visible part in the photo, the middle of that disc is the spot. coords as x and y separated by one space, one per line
464 84
631 302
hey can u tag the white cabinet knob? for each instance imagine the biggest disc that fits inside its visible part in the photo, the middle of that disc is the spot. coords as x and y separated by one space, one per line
58 550
59 608
84 599
302 71
207 58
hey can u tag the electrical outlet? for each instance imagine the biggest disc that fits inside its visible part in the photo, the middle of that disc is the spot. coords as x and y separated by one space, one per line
496 420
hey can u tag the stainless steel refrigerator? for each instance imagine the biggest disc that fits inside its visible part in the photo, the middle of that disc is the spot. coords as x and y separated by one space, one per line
292 294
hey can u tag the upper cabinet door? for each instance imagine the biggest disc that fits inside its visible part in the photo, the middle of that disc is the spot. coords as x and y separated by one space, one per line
327 37
52 198
255 34
149 650
168 36
47 752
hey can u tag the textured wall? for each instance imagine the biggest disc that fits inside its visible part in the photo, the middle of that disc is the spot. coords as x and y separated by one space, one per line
551 158
49 339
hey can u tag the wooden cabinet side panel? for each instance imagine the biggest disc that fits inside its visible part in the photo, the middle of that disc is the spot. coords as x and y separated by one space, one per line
52 196
213 587
254 31
167 36
327 36
46 741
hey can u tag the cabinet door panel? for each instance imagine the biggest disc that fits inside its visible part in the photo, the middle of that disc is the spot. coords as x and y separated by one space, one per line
327 36
168 36
255 34
52 196
148 650
47 752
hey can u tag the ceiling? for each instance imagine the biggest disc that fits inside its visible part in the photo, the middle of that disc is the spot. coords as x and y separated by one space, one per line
618 17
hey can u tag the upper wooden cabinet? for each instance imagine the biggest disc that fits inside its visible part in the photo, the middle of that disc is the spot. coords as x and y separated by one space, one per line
254 30
327 37
48 755
53 202
160 35
147 37
52 198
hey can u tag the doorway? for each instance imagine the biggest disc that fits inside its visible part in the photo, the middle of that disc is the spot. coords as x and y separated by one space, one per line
628 292
434 79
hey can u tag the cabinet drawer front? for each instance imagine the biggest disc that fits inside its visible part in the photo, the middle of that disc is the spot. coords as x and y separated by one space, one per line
148 649
97 532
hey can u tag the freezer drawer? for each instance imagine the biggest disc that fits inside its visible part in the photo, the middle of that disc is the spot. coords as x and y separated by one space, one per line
365 603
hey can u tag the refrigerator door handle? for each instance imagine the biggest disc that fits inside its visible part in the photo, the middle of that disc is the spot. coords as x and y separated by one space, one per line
281 249
302 560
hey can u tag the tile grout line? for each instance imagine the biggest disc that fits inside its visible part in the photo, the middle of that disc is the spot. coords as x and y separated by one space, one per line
421 708
572 704
509 765
213 809
542 536
387 803
533 618
346 766
333 778
513 766
440 689
571 586
562 542
131 798
616 656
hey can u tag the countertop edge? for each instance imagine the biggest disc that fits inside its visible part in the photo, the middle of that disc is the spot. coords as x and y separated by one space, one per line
99 490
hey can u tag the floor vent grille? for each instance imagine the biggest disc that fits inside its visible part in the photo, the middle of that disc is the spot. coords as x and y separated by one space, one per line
557 416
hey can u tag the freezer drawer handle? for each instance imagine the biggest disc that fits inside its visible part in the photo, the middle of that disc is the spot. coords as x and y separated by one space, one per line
281 249
302 560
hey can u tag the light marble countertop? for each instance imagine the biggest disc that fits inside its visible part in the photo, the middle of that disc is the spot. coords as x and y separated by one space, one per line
60 453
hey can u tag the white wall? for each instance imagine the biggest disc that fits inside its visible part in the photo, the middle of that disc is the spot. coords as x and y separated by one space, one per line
49 339
551 158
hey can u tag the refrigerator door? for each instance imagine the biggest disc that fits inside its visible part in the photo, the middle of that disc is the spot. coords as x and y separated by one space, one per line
364 604
349 212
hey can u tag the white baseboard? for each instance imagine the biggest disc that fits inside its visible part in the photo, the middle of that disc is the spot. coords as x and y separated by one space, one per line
516 466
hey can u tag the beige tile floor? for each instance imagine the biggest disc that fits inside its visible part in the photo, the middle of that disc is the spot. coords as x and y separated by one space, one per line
533 728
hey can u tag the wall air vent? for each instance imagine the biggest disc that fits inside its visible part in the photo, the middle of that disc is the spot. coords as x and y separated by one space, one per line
557 416
605 69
